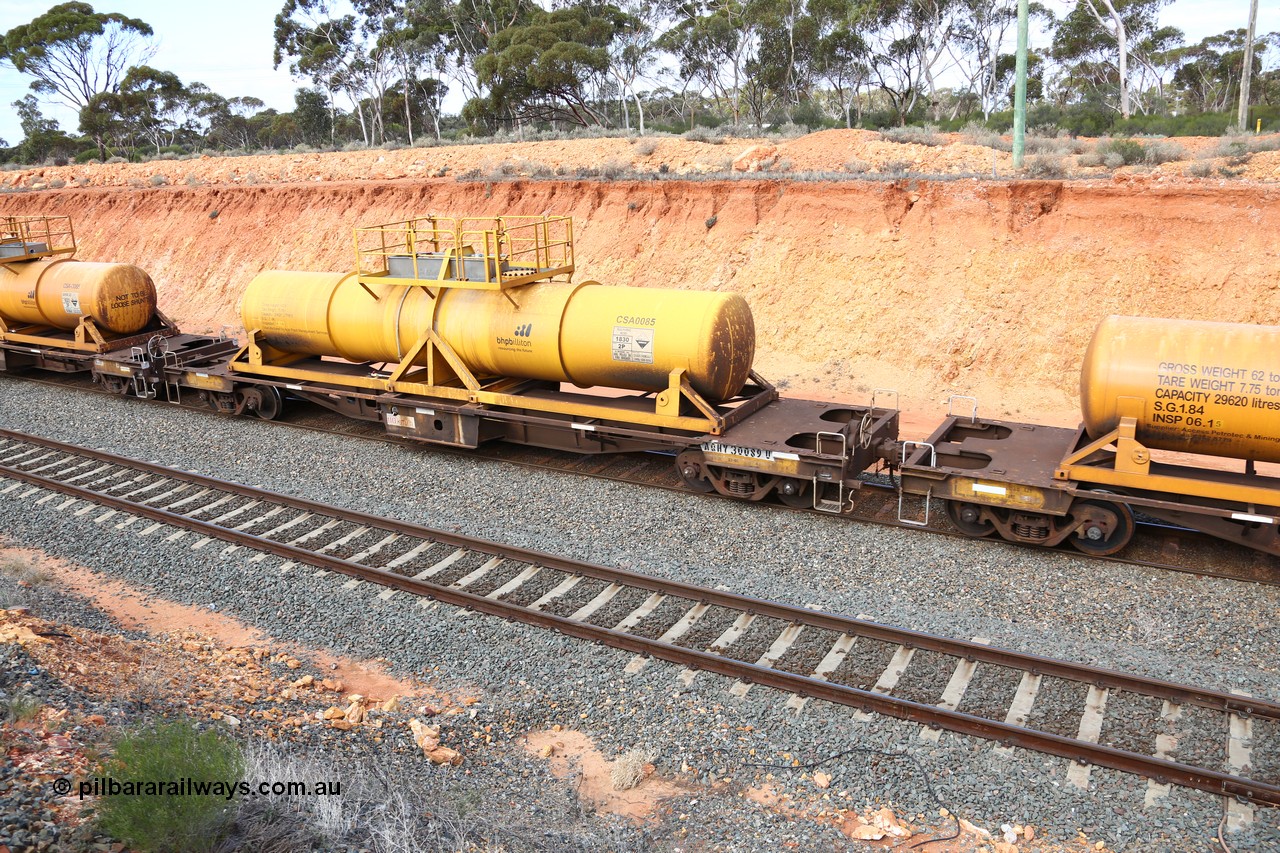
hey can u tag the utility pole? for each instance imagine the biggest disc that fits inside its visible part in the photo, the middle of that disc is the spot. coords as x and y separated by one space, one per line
1246 74
1020 87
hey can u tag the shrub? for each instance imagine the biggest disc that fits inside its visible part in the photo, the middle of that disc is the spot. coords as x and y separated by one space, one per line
791 130
1113 160
1045 166
614 169
980 134
20 707
896 167
57 184
158 180
1201 169
927 135
1043 145
113 159
171 751
193 180
645 147
1158 152
1093 158
1129 151
26 571
1265 143
702 134
629 769
857 167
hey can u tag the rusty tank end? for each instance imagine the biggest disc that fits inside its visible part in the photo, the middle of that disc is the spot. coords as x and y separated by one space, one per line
119 298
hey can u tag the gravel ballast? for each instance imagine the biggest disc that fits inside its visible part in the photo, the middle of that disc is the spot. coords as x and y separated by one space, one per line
1203 631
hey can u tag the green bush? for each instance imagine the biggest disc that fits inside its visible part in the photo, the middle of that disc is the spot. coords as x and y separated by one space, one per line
1127 151
163 753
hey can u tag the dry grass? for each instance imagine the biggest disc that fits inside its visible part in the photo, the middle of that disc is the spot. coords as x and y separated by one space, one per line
629 770
24 570
927 135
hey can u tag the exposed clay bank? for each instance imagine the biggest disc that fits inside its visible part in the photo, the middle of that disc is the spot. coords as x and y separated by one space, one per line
931 288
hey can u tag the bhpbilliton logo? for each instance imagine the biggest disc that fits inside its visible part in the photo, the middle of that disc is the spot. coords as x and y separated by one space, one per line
524 331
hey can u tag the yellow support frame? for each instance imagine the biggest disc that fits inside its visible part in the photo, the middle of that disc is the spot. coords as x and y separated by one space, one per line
431 368
1131 468
87 336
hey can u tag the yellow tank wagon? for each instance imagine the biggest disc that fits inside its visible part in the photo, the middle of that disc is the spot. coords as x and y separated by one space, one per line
481 315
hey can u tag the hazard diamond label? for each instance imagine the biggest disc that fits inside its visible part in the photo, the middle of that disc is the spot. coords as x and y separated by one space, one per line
633 344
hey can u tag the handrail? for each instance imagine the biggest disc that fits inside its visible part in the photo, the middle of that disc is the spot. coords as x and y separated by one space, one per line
511 250
36 237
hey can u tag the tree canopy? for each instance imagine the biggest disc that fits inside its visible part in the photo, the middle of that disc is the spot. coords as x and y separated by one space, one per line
378 71
75 53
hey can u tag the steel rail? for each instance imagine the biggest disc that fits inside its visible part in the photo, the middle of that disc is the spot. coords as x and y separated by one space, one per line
1200 778
1008 658
1162 530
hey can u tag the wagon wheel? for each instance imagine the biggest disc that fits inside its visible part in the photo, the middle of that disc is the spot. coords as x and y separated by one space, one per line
968 519
270 404
690 468
795 493
1107 527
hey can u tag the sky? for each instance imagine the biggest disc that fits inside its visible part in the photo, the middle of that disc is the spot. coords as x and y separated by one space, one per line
227 44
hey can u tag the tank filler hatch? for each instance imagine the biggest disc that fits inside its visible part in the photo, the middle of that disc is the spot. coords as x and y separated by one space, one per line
26 238
477 253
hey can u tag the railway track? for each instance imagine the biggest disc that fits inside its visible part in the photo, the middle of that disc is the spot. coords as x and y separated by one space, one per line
809 654
1159 546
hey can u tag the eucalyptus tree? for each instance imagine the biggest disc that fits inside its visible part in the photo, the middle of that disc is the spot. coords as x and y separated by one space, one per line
340 51
550 68
1098 36
75 53
714 42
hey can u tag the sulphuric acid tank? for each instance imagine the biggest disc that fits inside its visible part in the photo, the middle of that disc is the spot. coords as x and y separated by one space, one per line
1206 388
119 298
586 334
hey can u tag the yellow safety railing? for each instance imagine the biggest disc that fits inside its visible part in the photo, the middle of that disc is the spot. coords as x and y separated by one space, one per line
23 237
490 253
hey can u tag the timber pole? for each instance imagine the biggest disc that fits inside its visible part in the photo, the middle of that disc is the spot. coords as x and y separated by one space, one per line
1246 73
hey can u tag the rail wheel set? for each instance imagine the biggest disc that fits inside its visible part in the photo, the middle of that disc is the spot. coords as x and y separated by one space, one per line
458 332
